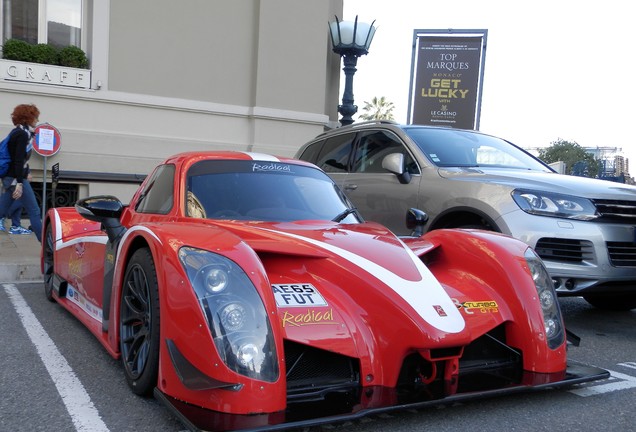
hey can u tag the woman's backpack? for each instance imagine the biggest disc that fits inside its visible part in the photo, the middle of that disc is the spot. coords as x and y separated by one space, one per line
5 157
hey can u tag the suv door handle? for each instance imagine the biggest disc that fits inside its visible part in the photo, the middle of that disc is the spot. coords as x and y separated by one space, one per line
350 186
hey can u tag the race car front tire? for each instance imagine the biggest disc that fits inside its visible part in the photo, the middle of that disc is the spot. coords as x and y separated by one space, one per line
139 323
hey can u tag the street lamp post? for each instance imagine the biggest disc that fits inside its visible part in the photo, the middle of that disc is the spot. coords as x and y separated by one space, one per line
350 40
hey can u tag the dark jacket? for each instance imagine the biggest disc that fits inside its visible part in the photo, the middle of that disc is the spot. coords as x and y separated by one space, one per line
20 149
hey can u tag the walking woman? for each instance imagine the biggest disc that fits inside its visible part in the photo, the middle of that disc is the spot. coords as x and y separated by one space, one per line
16 182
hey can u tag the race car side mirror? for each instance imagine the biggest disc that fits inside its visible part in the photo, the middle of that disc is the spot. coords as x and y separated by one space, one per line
394 163
105 209
415 221
98 208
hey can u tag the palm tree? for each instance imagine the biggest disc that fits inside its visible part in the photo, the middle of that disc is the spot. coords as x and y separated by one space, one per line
377 109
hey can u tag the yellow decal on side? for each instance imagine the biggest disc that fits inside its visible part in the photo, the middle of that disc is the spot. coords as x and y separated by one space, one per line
309 317
470 307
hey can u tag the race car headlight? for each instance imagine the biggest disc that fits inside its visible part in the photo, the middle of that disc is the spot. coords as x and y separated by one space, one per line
554 205
552 320
247 353
233 316
215 279
234 313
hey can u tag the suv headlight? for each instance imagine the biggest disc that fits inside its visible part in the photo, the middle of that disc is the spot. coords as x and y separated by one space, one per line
552 320
234 312
554 204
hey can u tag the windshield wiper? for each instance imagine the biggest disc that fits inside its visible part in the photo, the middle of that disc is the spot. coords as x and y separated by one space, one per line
344 214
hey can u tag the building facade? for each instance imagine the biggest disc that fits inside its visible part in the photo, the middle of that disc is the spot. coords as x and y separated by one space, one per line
170 76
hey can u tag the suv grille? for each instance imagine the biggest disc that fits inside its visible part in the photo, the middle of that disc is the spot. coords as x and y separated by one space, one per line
565 250
616 210
622 254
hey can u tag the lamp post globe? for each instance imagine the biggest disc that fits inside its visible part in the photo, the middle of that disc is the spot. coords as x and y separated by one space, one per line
350 40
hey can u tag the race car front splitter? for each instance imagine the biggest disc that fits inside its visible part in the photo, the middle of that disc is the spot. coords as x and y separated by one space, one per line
347 406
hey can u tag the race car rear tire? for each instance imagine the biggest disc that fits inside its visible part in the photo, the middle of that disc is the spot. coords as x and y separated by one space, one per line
139 323
615 302
49 263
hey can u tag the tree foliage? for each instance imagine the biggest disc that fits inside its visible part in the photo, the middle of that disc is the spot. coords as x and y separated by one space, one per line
378 109
577 160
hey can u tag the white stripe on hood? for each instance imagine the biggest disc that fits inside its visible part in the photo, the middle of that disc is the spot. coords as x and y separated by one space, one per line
424 295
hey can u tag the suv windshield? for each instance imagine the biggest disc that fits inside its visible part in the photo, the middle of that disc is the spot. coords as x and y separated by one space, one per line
460 148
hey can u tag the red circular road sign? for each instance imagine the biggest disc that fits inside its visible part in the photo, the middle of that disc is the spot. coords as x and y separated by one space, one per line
47 140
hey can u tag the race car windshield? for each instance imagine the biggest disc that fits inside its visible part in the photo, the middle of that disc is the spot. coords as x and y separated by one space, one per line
263 191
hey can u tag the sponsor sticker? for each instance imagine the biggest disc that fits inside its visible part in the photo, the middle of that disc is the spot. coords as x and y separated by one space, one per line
308 317
440 310
470 307
76 297
271 166
297 295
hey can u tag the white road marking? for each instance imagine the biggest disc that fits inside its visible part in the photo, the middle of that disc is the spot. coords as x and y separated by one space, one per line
616 381
78 404
631 365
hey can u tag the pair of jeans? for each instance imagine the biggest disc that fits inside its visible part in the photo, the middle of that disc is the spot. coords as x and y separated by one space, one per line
29 203
15 212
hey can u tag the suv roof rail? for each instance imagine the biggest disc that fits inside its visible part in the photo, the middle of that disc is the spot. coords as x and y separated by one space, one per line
381 121
354 125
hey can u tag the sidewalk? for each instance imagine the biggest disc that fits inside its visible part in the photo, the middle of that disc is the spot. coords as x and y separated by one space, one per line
19 258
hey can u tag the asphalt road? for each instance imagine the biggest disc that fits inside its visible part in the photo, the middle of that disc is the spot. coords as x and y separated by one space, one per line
54 376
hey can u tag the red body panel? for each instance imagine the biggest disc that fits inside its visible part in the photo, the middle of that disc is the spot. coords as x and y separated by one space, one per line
346 289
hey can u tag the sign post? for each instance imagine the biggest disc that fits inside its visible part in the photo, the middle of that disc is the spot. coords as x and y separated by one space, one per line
46 143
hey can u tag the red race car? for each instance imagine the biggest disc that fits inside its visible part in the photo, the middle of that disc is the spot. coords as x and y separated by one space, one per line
245 292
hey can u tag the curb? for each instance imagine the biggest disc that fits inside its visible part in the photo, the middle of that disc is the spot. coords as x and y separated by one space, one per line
20 272
19 258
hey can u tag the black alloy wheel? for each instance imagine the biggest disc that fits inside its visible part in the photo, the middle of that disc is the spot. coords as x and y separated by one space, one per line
139 323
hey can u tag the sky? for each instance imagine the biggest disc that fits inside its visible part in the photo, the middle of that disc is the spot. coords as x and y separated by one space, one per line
558 69
67 12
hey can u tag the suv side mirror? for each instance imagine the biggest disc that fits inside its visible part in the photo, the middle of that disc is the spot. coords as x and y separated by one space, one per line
394 163
415 221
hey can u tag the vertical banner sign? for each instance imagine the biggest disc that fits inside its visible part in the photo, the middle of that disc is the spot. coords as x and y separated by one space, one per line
447 78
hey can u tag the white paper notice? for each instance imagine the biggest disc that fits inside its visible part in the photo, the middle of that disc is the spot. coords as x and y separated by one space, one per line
46 139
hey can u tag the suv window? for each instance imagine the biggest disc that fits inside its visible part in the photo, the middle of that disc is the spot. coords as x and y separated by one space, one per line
335 153
311 152
373 146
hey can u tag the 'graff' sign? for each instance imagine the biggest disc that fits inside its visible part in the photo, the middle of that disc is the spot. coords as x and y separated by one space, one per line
448 72
11 70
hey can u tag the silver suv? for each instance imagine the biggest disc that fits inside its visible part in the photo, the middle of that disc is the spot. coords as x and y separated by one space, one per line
584 229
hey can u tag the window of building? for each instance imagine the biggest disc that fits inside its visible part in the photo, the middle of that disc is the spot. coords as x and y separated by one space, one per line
57 22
